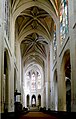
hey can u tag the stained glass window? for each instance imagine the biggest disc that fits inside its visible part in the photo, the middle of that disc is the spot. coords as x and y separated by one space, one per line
39 81
28 81
33 82
54 44
63 20
7 18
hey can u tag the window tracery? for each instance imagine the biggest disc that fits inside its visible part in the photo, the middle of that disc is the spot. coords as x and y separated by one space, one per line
28 81
33 82
54 44
7 18
39 81
63 20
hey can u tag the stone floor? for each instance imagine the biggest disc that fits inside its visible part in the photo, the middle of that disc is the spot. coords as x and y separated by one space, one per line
37 115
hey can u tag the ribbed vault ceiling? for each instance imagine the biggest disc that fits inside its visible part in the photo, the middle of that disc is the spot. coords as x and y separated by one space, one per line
39 22
33 43
34 18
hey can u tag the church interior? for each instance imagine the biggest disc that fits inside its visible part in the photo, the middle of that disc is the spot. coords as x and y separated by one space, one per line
37 56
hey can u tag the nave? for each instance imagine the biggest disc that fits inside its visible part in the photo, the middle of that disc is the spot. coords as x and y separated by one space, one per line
38 57
37 115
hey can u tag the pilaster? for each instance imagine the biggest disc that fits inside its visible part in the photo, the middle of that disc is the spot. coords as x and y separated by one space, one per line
61 101
0 48
12 60
1 54
18 61
72 32
46 85
51 77
0 51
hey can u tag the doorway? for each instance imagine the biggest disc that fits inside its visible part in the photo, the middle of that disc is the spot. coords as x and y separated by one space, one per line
27 100
39 100
33 101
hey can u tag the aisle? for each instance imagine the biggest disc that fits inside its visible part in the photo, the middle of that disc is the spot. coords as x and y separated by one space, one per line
37 115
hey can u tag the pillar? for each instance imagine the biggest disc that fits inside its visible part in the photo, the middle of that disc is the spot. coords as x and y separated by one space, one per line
42 98
18 60
30 99
23 95
36 100
42 90
47 79
72 32
51 77
61 100
1 53
12 59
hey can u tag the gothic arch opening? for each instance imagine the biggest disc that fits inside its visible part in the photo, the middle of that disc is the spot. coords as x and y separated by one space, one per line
33 101
39 100
28 97
66 76
68 84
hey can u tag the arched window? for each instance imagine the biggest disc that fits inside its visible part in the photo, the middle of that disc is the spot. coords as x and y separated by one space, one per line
33 82
63 20
7 18
28 81
54 44
39 80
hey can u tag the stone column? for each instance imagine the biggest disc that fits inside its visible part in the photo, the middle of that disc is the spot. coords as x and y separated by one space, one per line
47 79
1 53
72 32
51 77
30 100
42 98
44 95
42 89
45 74
36 88
23 89
43 84
25 100
46 85
22 80
61 100
18 61
12 39
36 100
